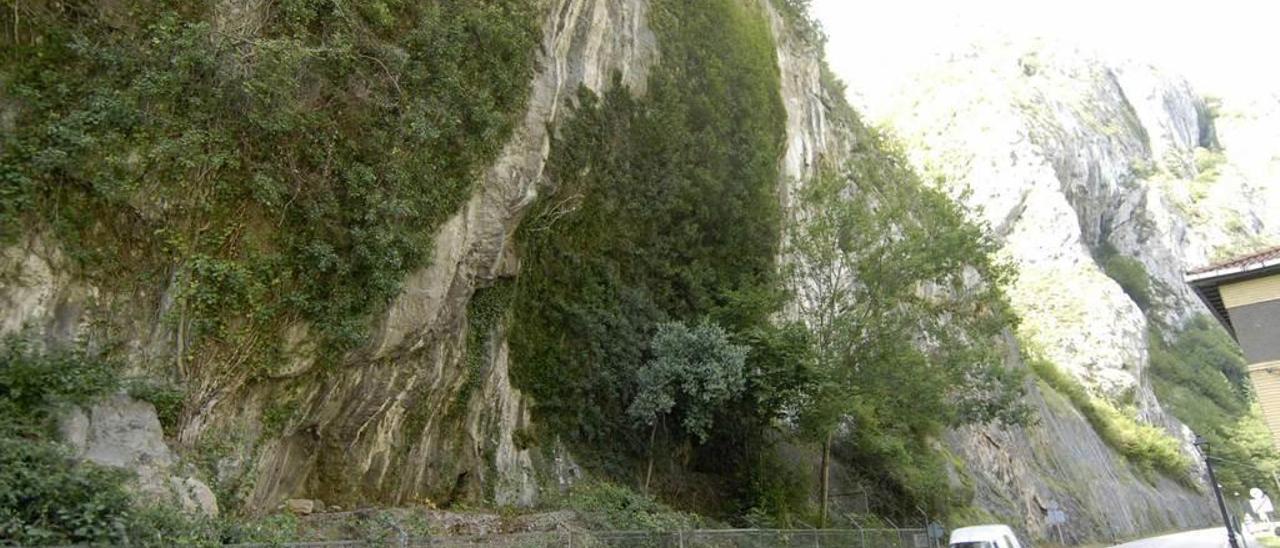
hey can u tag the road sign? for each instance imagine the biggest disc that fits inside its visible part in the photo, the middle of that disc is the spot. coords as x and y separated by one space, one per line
1056 517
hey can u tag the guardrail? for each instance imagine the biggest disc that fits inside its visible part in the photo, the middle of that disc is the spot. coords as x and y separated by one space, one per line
696 538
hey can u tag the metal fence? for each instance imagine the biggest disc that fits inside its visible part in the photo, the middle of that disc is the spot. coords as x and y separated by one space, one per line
698 538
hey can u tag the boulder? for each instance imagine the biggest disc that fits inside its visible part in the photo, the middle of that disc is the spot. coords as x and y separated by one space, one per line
122 432
194 496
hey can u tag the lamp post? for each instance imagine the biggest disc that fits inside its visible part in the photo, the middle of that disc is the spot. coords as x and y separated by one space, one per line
1203 445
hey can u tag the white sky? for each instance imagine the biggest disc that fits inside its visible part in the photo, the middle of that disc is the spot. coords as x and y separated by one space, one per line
1223 46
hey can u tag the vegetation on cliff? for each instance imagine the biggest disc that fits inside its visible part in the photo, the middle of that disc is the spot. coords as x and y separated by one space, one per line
289 166
659 208
1148 447
665 207
1199 375
237 169
282 163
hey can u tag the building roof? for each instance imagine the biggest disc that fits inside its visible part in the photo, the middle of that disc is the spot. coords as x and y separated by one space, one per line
1206 280
1256 259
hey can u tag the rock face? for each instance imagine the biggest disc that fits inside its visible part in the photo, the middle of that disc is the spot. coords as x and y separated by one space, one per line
1062 156
401 420
1019 473
1072 161
362 441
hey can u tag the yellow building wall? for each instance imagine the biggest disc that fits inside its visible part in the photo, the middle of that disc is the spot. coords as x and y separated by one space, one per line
1266 384
1265 375
1251 292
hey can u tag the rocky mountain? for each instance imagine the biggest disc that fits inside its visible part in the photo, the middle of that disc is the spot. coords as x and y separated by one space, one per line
1074 160
317 235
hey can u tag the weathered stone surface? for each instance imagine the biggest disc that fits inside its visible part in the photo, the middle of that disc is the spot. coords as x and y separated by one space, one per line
36 292
125 433
194 496
301 507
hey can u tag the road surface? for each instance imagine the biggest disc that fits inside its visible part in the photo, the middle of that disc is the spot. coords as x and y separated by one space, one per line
1204 538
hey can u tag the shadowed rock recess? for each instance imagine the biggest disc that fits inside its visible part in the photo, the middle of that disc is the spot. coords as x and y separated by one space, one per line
404 394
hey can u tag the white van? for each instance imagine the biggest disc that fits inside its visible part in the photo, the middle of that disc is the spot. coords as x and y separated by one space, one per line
984 536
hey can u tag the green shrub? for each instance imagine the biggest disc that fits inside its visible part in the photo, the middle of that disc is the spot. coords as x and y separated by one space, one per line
1143 168
45 496
1149 447
273 530
485 312
167 525
694 373
1132 277
608 506
778 494
167 398
35 381
1209 164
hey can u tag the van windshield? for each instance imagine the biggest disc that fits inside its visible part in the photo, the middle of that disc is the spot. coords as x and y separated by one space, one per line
974 544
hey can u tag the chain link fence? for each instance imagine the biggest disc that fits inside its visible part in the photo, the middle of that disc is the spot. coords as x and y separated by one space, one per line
698 538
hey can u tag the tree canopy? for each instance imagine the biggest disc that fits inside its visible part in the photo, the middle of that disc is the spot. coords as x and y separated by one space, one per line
694 371
905 307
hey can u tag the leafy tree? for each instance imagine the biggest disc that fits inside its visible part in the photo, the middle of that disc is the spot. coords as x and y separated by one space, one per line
904 303
693 373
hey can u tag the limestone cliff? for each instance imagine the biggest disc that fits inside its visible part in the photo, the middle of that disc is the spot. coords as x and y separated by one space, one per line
1071 161
1063 157
386 427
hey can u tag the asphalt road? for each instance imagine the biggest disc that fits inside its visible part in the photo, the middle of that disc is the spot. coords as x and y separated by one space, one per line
1204 538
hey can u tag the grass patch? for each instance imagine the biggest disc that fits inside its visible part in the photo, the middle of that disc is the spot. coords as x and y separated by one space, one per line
608 506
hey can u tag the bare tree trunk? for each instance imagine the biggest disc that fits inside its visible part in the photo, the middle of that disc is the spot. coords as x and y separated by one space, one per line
182 341
826 480
649 473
